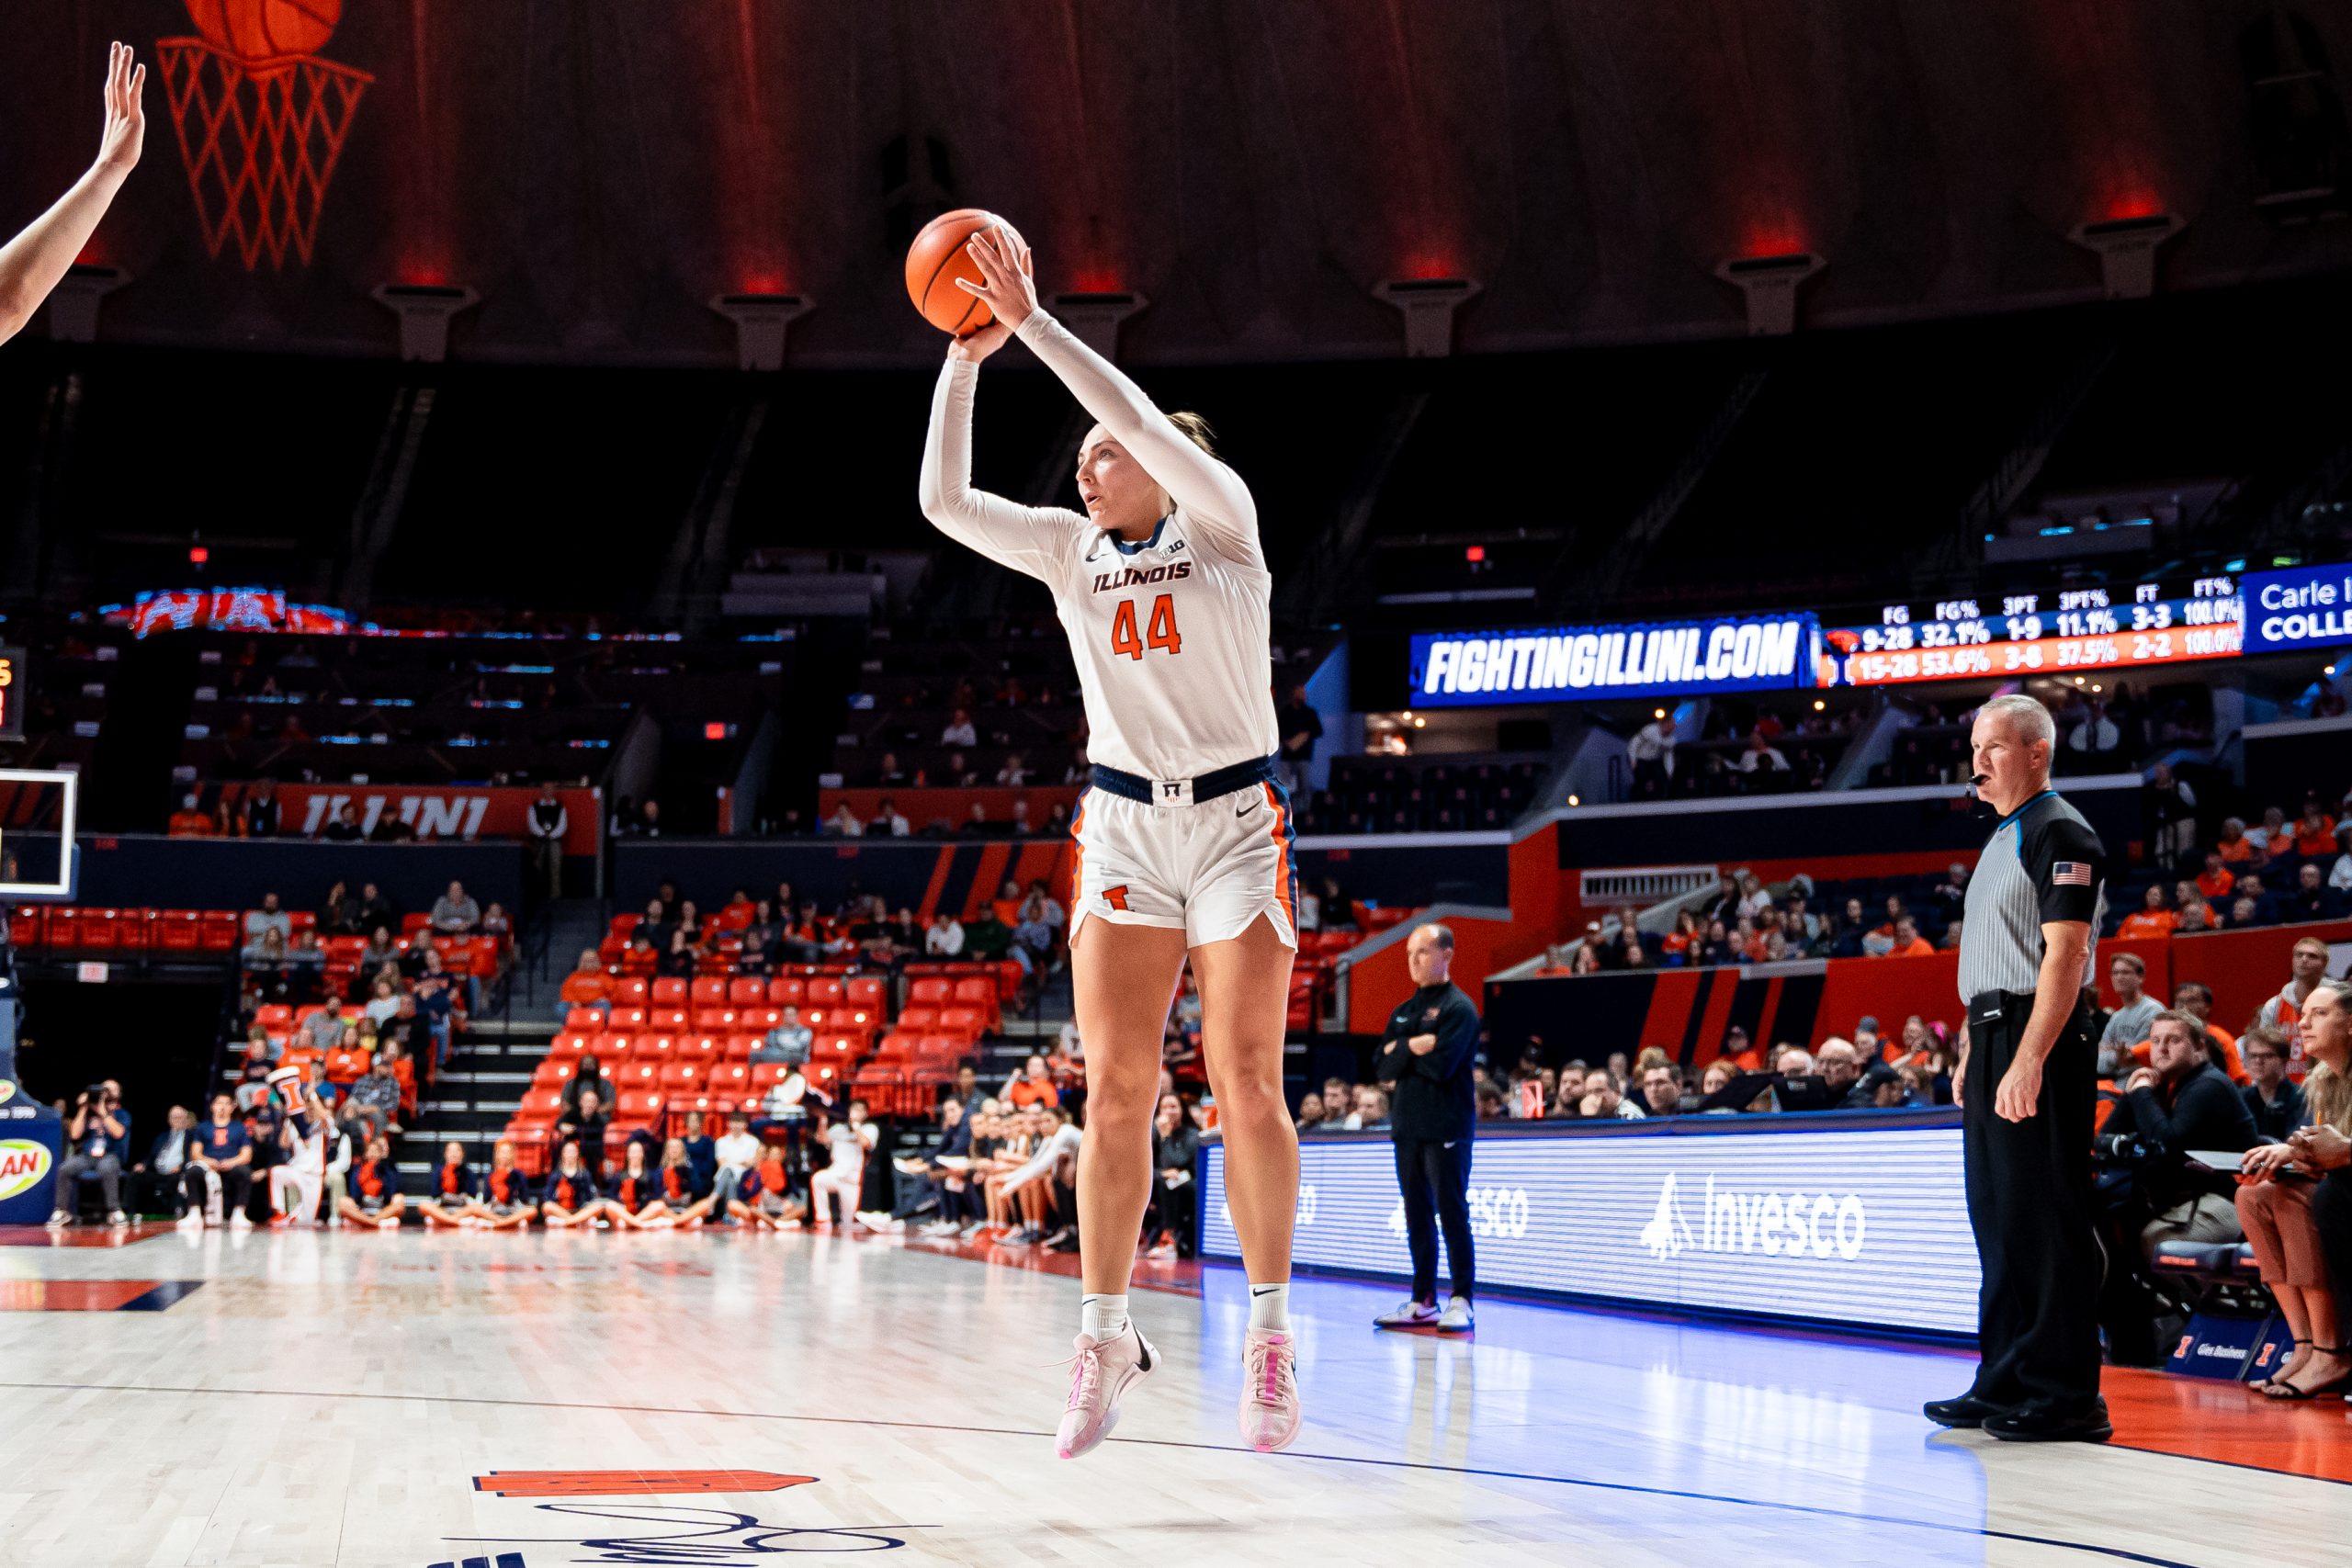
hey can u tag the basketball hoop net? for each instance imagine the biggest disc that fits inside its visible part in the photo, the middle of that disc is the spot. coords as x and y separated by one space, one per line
260 138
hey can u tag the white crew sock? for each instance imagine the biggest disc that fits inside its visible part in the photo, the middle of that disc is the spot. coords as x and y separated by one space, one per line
1270 1307
1102 1317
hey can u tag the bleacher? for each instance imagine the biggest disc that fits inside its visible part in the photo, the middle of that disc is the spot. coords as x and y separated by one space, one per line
1439 794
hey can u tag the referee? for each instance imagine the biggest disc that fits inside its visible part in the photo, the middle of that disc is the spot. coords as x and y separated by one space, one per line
2027 1086
1427 1058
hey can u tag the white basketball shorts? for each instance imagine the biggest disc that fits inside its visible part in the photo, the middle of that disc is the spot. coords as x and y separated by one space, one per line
1205 868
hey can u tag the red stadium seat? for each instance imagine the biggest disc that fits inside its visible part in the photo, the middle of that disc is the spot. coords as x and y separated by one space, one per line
918 1019
655 1048
219 928
637 1109
276 1016
964 1021
930 991
135 928
827 992
63 928
730 1080
787 993
704 1049
585 1019
412 924
612 1046
676 1019
626 1018
540 1104
682 1078
552 1072
741 1046
715 1020
709 992
870 992
634 1074
747 993
632 991
669 992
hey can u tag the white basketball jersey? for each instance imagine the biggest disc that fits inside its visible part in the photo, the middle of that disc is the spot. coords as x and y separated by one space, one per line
1171 635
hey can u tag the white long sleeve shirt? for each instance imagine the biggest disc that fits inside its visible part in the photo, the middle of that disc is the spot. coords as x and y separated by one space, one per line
1169 635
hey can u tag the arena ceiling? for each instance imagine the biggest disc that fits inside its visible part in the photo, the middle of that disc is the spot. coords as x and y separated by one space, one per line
598 170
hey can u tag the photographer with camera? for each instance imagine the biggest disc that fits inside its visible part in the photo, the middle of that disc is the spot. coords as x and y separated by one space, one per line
2150 1192
98 1132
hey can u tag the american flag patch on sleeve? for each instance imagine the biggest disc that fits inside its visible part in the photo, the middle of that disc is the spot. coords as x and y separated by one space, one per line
2070 874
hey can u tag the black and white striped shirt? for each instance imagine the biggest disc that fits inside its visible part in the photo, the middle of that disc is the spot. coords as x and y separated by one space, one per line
2043 864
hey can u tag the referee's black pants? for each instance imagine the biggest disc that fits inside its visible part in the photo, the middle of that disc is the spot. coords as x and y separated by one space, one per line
2030 1204
1435 1179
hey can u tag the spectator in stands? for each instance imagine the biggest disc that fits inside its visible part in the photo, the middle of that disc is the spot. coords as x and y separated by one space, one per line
2314 831
191 820
2300 1250
1310 1112
220 1165
1015 774
2094 738
2313 898
1662 1089
649 819
622 822
2215 882
2308 967
376 1093
496 921
2235 845
2190 912
1602 1101
958 731
545 826
787 1042
96 1135
1906 942
1762 757
1852 1086
888 823
702 1154
376 911
2195 998
2276 1103
676 962
455 913
341 826
268 917
339 912
2135 1010
1032 1086
2179 1101
383 1001
265 956
391 828
751 960
589 1078
2153 918
844 823
944 937
258 817
1851 928
1651 753
323 1030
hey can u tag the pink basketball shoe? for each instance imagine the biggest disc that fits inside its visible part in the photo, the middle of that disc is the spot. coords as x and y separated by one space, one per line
1270 1418
1098 1374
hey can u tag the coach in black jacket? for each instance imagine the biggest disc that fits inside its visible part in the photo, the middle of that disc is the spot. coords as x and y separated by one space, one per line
1427 1061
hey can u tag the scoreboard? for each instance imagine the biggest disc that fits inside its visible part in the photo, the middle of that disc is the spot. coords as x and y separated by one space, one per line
2065 630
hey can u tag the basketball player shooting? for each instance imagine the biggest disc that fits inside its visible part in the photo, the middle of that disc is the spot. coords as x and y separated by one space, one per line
1184 838
32 262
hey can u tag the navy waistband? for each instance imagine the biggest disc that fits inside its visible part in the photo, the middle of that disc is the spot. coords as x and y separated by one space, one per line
1208 786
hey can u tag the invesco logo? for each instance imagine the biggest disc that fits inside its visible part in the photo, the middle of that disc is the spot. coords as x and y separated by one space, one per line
1790 1224
1496 1213
23 1164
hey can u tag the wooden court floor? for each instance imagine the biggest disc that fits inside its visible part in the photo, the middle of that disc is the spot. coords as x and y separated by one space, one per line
332 1399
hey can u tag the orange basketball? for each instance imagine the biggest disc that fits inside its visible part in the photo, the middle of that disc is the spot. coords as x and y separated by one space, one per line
937 258
266 30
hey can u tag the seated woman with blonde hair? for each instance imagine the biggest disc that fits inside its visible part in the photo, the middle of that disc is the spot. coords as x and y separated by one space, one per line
2292 1203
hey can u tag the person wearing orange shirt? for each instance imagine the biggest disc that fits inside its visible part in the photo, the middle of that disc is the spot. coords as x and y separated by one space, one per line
1908 942
190 821
2216 880
2152 919
2234 847
1034 1087
2314 833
